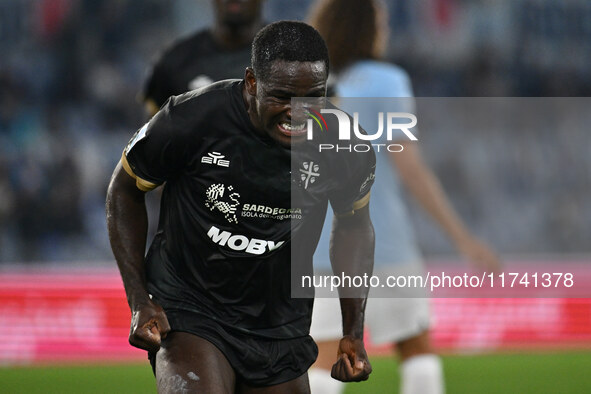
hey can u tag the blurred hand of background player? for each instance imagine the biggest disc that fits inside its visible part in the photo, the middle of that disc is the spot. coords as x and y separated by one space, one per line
479 254
421 181
352 363
149 326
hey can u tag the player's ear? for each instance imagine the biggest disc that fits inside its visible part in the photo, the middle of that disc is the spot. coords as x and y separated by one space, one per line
250 81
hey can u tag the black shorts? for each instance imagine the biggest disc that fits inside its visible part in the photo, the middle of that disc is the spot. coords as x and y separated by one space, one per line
257 361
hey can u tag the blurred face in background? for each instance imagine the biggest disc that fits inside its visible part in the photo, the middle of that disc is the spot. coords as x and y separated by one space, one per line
237 12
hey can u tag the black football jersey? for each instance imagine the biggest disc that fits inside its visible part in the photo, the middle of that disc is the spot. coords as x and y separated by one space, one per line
191 63
234 203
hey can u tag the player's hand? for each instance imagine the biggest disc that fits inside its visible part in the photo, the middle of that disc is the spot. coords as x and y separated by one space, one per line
149 326
480 255
352 363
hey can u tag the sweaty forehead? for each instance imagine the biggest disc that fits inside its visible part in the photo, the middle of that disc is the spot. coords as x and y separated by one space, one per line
294 74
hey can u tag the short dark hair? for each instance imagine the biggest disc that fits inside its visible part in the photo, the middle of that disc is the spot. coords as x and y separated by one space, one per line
289 41
346 44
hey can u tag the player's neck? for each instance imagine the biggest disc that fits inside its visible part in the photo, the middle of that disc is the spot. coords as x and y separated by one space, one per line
250 106
235 36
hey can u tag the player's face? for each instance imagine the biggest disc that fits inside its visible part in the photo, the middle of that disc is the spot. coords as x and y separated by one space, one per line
272 112
237 12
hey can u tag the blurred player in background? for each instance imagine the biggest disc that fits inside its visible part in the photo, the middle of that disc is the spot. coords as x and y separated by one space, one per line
356 32
221 51
211 301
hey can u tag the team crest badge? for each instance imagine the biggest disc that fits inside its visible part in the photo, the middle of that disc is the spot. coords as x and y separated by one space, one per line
309 172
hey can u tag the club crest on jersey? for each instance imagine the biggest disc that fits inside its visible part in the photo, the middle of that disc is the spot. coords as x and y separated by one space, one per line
215 158
309 172
227 205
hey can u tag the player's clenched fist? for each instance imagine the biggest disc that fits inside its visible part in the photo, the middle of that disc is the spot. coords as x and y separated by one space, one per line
149 326
352 363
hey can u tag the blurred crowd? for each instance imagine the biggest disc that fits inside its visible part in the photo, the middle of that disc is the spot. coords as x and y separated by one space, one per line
71 70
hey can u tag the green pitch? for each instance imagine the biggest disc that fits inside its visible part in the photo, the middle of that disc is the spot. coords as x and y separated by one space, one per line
484 374
519 373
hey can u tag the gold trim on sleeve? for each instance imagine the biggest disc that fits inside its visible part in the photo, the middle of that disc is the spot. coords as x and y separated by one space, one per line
141 184
363 201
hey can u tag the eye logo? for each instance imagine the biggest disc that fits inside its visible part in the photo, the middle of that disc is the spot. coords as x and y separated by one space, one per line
315 115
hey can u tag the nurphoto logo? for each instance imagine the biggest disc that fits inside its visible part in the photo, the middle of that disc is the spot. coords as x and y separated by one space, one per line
395 123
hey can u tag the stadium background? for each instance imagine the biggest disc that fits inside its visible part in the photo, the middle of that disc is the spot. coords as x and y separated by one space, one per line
70 72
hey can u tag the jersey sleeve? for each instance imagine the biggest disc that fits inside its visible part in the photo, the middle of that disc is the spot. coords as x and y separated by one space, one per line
355 178
156 152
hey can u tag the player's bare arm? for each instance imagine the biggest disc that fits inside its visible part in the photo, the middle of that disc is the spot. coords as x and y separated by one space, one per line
351 251
127 224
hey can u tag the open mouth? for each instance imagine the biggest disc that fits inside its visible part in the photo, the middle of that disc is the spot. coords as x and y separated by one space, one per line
292 128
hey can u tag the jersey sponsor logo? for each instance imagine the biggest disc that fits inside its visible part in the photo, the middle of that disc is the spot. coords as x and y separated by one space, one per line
224 199
265 212
217 199
309 173
239 242
215 158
